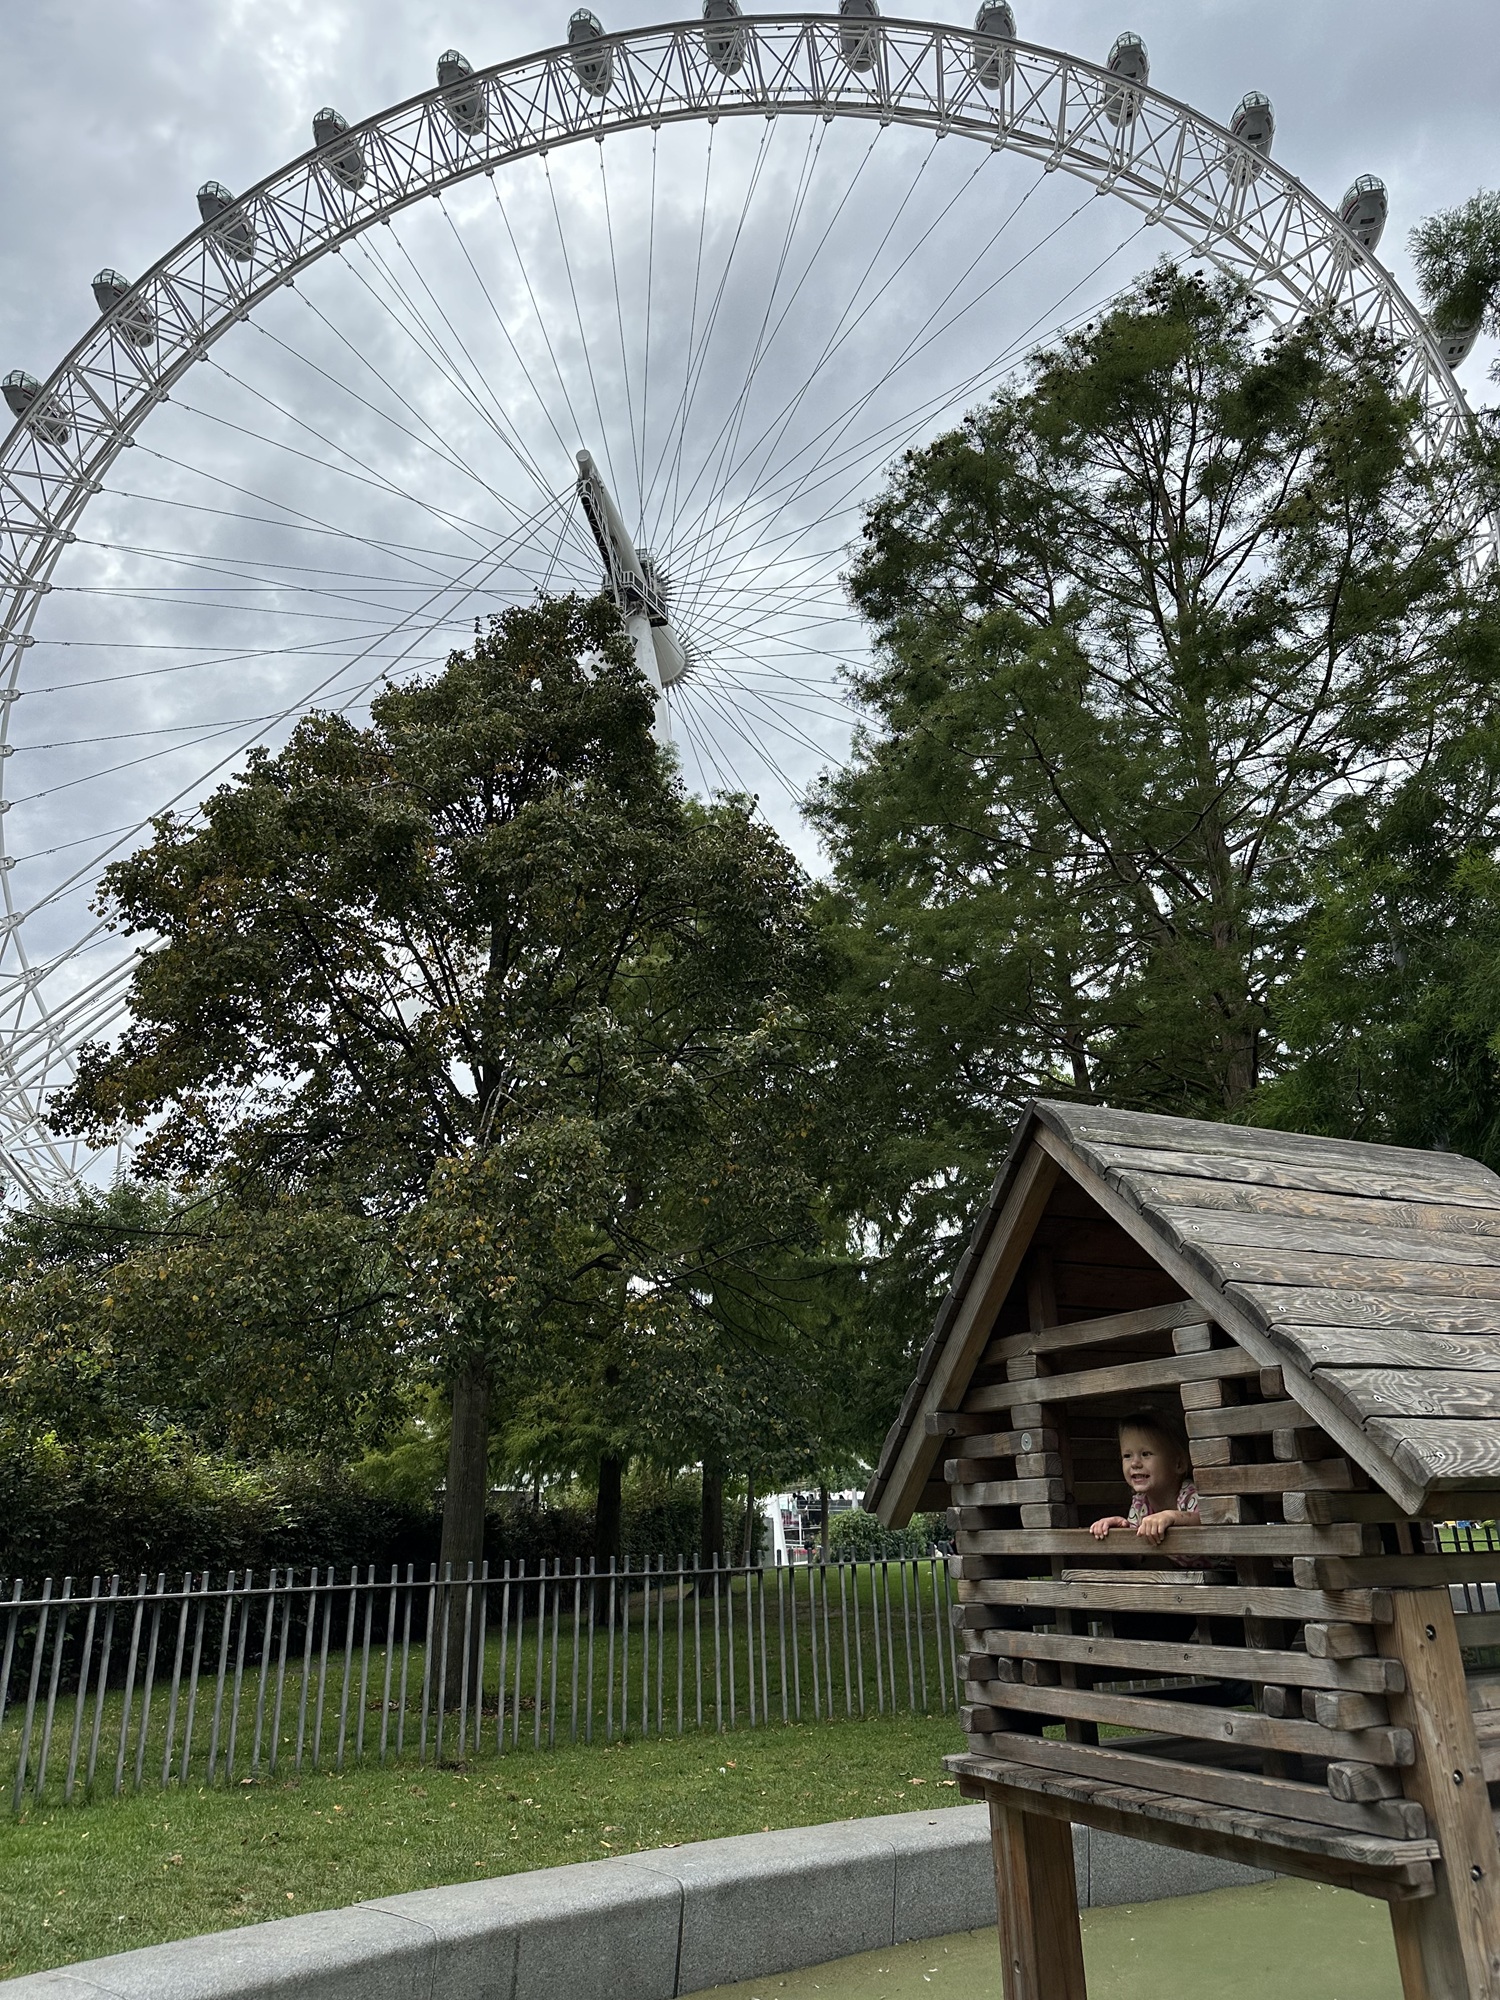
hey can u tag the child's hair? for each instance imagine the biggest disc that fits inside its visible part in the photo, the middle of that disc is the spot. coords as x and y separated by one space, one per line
1157 1424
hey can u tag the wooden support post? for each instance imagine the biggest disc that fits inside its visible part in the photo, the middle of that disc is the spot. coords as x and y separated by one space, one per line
1041 1945
1447 1944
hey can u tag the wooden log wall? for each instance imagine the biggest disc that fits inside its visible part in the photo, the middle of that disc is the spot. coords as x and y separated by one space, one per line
1265 1699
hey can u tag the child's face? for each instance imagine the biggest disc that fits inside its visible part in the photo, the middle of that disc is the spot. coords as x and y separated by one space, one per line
1149 1462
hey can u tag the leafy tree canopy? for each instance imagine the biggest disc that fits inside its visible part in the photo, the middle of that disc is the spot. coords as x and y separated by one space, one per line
1154 629
1457 254
483 976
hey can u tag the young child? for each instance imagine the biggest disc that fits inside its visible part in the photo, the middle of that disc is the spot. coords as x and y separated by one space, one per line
1157 1467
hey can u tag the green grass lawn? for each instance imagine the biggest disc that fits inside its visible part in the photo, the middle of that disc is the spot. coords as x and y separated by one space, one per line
79 1883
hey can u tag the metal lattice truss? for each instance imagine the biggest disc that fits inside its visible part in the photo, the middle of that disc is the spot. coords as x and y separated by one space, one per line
1217 194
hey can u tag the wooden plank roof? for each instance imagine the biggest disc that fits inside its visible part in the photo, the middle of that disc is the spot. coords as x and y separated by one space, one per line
1369 1274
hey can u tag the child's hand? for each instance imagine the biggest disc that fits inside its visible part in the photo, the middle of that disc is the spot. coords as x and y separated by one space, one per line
1154 1526
1099 1529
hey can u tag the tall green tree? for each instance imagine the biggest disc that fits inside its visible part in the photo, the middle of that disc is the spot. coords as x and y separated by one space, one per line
1457 255
481 974
257 1331
1151 628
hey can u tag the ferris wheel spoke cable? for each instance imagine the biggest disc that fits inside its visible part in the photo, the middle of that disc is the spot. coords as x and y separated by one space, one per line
291 416
711 773
509 338
898 430
917 344
381 485
583 339
734 723
640 478
636 462
776 425
428 343
708 163
789 409
708 712
697 360
303 524
721 450
476 383
523 268
433 442
90 870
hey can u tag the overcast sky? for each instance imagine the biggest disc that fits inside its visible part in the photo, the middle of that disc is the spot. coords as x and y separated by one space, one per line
113 112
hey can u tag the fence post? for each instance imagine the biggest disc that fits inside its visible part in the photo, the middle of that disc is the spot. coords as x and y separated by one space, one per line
288 1601
102 1683
135 1640
24 1758
239 1673
390 1661
588 1731
552 1688
577 1614
81 1699
58 1637
182 1625
265 1672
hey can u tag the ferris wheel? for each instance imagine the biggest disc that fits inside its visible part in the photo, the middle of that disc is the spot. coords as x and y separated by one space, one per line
659 305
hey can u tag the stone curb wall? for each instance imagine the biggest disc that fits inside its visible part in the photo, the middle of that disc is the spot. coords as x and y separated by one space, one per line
640 1927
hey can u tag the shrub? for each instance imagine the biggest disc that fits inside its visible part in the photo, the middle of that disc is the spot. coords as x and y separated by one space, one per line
859 1536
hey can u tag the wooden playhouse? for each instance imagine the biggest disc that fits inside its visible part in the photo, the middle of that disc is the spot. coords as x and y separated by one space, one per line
1303 1674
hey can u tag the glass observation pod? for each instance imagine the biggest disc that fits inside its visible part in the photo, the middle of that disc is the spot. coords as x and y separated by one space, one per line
1128 61
23 393
1254 125
595 68
724 45
994 31
137 321
463 101
1364 209
1456 342
344 157
234 234
858 42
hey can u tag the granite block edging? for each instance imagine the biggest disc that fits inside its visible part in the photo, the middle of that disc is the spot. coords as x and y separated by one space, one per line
646 1926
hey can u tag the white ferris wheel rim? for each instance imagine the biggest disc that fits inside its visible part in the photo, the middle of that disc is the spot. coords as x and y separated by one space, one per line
1230 203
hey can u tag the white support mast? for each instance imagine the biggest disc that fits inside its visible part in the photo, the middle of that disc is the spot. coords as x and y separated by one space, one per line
631 579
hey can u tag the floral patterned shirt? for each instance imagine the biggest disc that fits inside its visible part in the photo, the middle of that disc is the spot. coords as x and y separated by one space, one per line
1186 1503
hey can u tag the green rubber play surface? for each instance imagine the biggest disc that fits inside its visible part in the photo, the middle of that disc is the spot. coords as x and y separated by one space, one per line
1275 1941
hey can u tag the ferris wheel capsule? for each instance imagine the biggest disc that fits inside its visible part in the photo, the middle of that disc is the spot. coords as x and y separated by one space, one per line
463 100
858 43
724 46
595 68
1364 209
23 394
994 31
1254 125
1128 61
235 234
343 157
1457 342
137 322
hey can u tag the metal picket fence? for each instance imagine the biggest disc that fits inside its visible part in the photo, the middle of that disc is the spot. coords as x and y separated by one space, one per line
116 1688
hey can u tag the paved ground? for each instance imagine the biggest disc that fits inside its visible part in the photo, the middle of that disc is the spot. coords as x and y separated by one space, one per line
1276 1941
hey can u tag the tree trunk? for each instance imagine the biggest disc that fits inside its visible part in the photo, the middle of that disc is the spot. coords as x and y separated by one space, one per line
463 1532
468 1471
609 1511
711 1516
823 1521
749 1518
